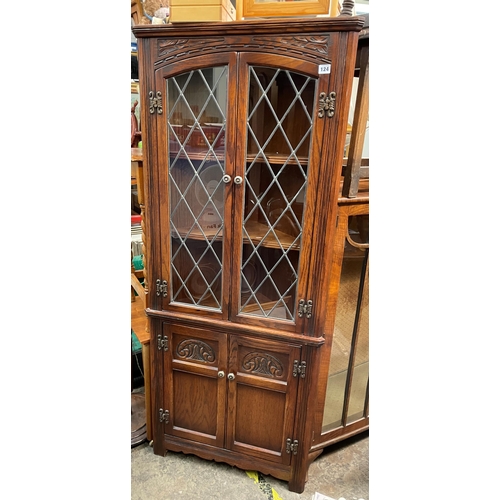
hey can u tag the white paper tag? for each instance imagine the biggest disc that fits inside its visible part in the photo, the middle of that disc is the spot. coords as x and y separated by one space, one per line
324 69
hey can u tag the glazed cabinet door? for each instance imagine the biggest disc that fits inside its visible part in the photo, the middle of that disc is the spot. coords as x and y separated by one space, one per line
238 161
346 394
277 165
194 385
195 138
262 391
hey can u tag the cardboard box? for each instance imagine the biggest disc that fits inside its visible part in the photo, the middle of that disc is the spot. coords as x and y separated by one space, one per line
184 11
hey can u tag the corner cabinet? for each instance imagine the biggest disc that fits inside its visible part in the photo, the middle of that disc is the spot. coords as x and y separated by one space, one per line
243 129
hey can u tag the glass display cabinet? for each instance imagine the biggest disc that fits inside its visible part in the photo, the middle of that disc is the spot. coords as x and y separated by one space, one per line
243 129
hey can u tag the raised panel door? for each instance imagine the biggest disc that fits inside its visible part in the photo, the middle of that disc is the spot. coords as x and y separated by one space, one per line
262 390
193 390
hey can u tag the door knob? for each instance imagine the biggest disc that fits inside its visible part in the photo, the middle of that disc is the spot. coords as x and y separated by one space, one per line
220 374
226 179
238 180
231 376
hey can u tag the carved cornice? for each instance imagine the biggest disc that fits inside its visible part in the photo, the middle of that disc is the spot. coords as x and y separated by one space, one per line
176 48
195 349
262 364
311 47
302 45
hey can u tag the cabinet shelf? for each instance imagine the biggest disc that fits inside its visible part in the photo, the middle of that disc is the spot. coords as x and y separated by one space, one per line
275 159
279 159
256 230
200 156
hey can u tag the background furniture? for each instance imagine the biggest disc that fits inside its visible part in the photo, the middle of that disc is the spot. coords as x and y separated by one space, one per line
250 244
246 9
357 167
139 296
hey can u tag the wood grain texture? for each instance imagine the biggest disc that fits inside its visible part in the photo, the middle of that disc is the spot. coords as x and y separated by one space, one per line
230 379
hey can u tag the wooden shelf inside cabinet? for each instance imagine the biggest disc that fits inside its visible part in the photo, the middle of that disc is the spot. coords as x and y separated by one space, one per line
275 159
256 231
202 156
278 159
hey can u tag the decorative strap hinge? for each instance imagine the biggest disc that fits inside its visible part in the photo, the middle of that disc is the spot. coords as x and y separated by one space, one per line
299 369
162 341
292 447
164 416
155 102
327 103
161 288
305 308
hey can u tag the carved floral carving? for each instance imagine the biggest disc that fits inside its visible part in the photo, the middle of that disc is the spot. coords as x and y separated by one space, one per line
262 364
195 349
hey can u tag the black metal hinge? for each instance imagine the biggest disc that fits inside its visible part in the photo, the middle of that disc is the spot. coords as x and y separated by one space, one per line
299 369
162 342
305 308
164 416
292 447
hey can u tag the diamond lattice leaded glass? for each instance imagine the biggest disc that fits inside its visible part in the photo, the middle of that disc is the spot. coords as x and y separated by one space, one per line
197 102
279 128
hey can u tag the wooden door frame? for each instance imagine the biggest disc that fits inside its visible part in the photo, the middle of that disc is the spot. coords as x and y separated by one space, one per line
310 69
161 75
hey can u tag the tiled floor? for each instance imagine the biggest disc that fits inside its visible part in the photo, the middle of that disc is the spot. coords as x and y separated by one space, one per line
341 471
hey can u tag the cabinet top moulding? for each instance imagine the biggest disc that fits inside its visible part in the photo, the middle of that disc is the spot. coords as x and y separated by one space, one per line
252 27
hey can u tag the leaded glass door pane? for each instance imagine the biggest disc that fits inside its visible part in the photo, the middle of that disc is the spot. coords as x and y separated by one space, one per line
196 132
278 137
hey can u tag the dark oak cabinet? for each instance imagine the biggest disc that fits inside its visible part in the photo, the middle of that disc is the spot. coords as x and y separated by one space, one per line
217 386
243 127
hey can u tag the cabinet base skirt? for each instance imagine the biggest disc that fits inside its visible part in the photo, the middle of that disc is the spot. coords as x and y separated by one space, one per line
229 457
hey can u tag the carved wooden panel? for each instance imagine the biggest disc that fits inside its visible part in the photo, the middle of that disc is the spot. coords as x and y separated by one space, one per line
195 350
258 363
314 47
263 363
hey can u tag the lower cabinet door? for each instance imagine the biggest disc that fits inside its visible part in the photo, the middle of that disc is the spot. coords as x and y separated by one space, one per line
262 392
194 388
